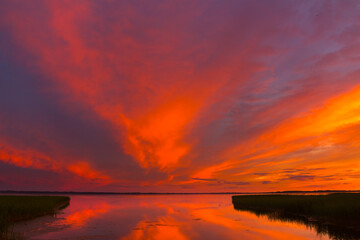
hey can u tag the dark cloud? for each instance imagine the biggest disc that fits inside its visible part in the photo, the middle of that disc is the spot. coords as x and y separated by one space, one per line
206 180
267 182
300 177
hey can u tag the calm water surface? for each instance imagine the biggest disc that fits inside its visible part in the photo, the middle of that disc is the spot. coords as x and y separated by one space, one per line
159 217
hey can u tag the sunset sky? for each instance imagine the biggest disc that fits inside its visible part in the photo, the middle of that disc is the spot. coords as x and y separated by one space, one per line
179 96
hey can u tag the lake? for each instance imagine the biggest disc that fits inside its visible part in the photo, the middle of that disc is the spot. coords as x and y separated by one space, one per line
159 217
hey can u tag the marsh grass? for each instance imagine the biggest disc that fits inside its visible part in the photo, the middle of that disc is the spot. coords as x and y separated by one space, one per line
18 208
337 215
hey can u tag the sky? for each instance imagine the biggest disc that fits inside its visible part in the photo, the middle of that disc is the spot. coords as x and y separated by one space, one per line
179 96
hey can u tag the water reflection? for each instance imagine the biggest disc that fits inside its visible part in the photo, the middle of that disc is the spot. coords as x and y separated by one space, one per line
340 230
160 217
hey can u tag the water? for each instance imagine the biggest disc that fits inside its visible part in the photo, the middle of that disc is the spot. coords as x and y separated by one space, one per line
159 217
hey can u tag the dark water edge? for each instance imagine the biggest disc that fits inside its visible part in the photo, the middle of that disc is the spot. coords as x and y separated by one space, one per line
15 208
337 228
335 231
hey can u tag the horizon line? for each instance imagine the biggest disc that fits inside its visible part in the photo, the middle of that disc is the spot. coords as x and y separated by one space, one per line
165 193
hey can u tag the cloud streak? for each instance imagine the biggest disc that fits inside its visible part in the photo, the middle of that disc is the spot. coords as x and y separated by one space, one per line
217 96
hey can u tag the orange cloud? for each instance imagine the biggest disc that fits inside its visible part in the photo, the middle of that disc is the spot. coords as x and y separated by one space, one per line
319 139
26 158
83 169
31 158
195 104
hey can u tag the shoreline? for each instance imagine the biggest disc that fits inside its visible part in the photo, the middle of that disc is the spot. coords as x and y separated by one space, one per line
336 214
19 208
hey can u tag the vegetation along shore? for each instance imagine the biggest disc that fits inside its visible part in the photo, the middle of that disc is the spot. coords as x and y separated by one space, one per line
14 208
336 214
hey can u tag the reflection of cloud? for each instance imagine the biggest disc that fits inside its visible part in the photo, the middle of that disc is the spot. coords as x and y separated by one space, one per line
207 217
79 218
162 228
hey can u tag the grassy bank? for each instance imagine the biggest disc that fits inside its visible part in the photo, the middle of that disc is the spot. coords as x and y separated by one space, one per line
18 208
344 206
335 214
